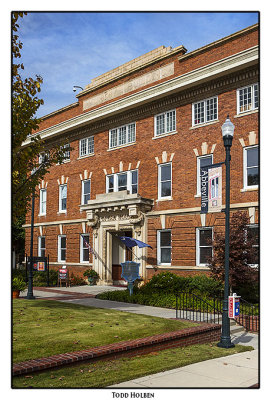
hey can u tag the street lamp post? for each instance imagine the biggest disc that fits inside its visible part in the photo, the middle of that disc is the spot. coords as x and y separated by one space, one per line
227 133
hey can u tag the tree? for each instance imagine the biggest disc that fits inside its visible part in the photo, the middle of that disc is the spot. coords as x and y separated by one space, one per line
25 158
243 253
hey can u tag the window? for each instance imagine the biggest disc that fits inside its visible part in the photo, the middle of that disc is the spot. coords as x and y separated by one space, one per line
164 181
165 123
204 111
253 234
164 247
123 135
66 149
204 245
85 191
86 146
247 98
84 250
43 196
122 181
43 157
41 246
62 248
202 161
63 198
251 169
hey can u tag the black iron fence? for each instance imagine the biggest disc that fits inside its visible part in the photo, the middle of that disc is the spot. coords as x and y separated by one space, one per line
194 308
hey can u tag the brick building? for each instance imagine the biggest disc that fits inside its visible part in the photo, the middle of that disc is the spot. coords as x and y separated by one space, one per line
139 134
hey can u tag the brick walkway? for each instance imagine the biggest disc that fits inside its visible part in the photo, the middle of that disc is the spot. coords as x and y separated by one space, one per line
65 294
203 333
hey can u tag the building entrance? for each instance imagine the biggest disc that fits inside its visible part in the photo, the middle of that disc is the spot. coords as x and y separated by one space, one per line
120 253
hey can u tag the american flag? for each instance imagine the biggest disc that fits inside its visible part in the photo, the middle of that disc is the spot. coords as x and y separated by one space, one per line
89 248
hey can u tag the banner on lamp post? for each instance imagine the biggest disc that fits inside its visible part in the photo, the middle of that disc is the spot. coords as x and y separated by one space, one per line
211 188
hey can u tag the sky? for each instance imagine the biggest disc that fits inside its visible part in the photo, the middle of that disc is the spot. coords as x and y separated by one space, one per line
72 48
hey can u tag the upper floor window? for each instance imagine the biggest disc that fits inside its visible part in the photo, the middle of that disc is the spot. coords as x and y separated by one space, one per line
204 111
86 146
84 249
251 167
44 156
164 180
43 196
165 123
63 198
41 246
66 150
247 98
85 191
122 181
123 135
204 245
202 161
164 246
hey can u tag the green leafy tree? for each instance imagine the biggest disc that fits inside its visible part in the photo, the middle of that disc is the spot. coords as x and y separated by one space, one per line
243 254
26 145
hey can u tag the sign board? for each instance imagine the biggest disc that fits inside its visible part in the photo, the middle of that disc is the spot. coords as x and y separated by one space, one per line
39 263
63 274
233 306
130 271
211 188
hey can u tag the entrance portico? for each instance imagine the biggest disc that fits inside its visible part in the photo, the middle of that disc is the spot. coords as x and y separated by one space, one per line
109 215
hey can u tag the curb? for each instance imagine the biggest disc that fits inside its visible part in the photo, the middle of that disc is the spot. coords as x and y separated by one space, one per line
204 333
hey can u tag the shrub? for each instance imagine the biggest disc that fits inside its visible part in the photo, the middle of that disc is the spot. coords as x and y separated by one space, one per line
76 280
18 284
91 273
204 286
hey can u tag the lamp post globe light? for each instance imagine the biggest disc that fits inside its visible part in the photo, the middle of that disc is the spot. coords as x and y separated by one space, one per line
227 134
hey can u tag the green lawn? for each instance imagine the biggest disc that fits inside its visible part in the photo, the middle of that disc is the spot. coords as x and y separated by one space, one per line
105 373
43 327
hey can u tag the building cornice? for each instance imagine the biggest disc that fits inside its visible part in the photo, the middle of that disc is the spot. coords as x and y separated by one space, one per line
198 76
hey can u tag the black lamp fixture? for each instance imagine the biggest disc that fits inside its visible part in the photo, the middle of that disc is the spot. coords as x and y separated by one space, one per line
227 134
77 87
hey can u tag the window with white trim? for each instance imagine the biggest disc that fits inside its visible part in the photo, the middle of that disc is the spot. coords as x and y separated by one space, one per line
66 149
165 123
127 180
84 250
41 246
63 198
248 98
122 135
204 245
205 111
85 191
62 248
43 157
164 181
253 233
251 167
164 247
43 199
202 161
86 146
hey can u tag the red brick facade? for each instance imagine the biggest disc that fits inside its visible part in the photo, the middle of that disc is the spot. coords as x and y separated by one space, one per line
219 69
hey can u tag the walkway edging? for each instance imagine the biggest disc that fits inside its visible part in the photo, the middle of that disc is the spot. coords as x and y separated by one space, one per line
203 333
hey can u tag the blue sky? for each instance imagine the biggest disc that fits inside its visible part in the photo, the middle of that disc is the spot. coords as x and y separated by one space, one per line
72 48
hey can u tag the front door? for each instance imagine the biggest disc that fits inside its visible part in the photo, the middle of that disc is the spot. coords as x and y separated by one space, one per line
120 253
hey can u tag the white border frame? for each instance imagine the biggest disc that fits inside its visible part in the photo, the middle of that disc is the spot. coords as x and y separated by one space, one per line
159 247
59 199
82 192
39 243
198 229
81 248
59 248
245 186
253 99
205 112
159 181
43 213
166 132
117 128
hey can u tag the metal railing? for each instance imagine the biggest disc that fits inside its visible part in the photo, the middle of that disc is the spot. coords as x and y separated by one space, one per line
192 307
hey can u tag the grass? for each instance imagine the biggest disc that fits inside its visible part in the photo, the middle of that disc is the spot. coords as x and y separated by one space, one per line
105 373
43 327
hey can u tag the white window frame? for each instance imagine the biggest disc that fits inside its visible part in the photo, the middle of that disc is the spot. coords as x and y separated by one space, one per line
246 186
166 128
115 179
118 135
204 101
198 247
159 246
82 190
89 146
82 247
39 246
253 107
67 153
60 198
60 248
43 202
198 171
160 183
